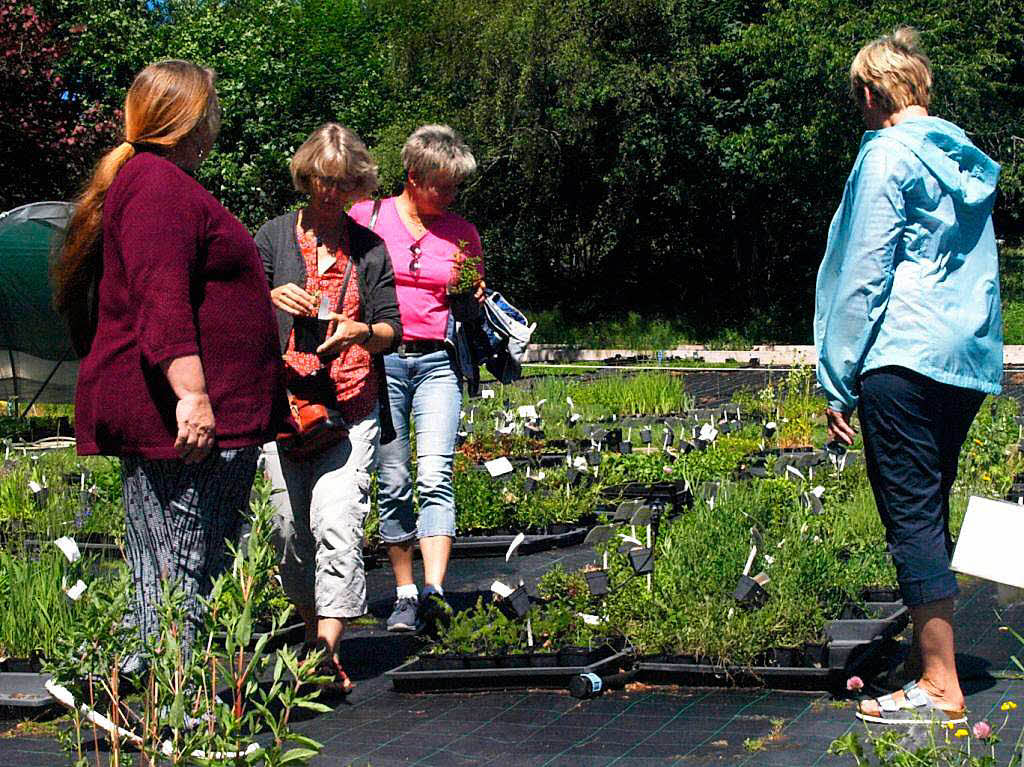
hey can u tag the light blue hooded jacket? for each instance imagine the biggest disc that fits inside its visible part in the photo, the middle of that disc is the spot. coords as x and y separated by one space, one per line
911 274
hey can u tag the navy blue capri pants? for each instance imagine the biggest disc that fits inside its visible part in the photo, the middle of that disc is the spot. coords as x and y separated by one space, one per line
913 430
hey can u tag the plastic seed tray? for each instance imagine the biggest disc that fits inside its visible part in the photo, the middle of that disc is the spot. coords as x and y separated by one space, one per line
487 673
24 690
852 645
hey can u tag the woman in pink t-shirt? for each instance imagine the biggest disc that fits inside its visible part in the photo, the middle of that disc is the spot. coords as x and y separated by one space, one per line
423 238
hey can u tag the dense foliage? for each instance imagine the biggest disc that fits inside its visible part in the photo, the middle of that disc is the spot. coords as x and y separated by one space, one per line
654 155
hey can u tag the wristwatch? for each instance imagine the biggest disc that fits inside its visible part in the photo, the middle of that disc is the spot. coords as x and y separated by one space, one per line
369 333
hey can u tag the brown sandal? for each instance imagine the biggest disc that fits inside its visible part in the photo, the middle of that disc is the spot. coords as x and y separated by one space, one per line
338 682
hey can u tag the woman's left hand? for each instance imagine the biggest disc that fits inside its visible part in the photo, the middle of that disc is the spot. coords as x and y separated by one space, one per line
479 295
346 332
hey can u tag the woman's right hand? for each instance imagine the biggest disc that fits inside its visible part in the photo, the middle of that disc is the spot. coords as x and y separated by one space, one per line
294 300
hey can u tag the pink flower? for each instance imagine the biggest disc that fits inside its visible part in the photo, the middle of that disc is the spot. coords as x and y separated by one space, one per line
854 683
982 730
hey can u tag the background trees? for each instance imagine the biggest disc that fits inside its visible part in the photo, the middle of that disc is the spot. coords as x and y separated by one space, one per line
673 157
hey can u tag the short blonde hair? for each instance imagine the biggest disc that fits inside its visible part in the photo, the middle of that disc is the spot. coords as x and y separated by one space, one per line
333 151
436 153
896 71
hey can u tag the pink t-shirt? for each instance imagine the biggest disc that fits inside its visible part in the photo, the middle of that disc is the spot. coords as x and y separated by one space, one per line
422 296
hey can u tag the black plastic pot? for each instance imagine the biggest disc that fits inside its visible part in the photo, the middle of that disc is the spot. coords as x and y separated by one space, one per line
749 593
880 594
597 582
464 306
642 560
516 604
574 656
481 661
593 458
816 654
516 660
543 660
625 447
645 436
614 437
782 657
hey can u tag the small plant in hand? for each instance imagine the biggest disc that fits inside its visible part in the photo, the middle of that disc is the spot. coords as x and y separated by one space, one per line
465 271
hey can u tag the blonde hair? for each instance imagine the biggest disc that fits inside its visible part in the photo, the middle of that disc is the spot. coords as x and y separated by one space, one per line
895 70
437 153
165 103
334 151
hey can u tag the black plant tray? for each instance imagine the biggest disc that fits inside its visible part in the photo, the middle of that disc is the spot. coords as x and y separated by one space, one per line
24 690
413 676
669 493
852 646
497 545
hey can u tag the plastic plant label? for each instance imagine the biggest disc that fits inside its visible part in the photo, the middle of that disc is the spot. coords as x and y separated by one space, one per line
514 545
590 620
487 394
69 547
818 491
34 486
708 432
501 589
499 467
324 312
793 470
75 592
528 411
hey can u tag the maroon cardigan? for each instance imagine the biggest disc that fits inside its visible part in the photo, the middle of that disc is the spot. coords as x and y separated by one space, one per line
181 276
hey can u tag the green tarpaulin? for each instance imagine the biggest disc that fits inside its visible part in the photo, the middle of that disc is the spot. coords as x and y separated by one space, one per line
35 348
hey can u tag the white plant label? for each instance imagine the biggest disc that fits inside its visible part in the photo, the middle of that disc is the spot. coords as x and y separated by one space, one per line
76 591
514 545
818 491
69 547
34 486
795 472
499 467
487 394
708 432
590 620
528 411
501 589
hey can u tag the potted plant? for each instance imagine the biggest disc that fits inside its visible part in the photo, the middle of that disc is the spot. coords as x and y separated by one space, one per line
463 284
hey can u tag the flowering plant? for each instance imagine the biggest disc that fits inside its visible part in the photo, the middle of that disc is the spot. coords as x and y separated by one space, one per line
465 271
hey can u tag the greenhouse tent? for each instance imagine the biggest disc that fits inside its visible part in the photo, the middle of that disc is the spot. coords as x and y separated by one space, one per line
37 361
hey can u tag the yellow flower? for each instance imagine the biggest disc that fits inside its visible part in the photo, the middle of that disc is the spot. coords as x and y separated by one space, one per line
950 725
986 477
961 733
1008 706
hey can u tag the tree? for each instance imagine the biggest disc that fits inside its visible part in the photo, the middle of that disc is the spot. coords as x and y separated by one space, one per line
48 136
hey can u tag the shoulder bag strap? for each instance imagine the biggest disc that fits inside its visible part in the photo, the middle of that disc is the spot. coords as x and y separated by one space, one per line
373 215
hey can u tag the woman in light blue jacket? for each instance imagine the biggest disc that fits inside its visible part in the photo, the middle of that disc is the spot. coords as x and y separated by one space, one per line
908 331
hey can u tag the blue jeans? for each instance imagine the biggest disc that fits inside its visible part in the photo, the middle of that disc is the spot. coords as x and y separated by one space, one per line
427 389
913 430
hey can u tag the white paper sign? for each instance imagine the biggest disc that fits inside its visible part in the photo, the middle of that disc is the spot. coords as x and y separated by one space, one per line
487 394
499 466
528 411
590 620
69 547
989 545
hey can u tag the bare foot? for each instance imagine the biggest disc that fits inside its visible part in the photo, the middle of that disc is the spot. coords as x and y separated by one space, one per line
946 703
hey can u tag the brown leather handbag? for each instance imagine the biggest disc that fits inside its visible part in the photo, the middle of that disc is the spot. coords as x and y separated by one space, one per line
313 427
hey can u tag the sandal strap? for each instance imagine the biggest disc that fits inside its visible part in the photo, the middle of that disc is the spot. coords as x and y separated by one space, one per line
887 703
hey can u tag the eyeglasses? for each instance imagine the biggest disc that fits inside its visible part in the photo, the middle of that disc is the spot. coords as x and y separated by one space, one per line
341 184
414 262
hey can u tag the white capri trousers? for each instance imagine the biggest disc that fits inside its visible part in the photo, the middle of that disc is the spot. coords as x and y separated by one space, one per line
318 527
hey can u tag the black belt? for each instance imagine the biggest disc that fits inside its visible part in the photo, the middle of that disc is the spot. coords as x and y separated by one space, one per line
416 348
